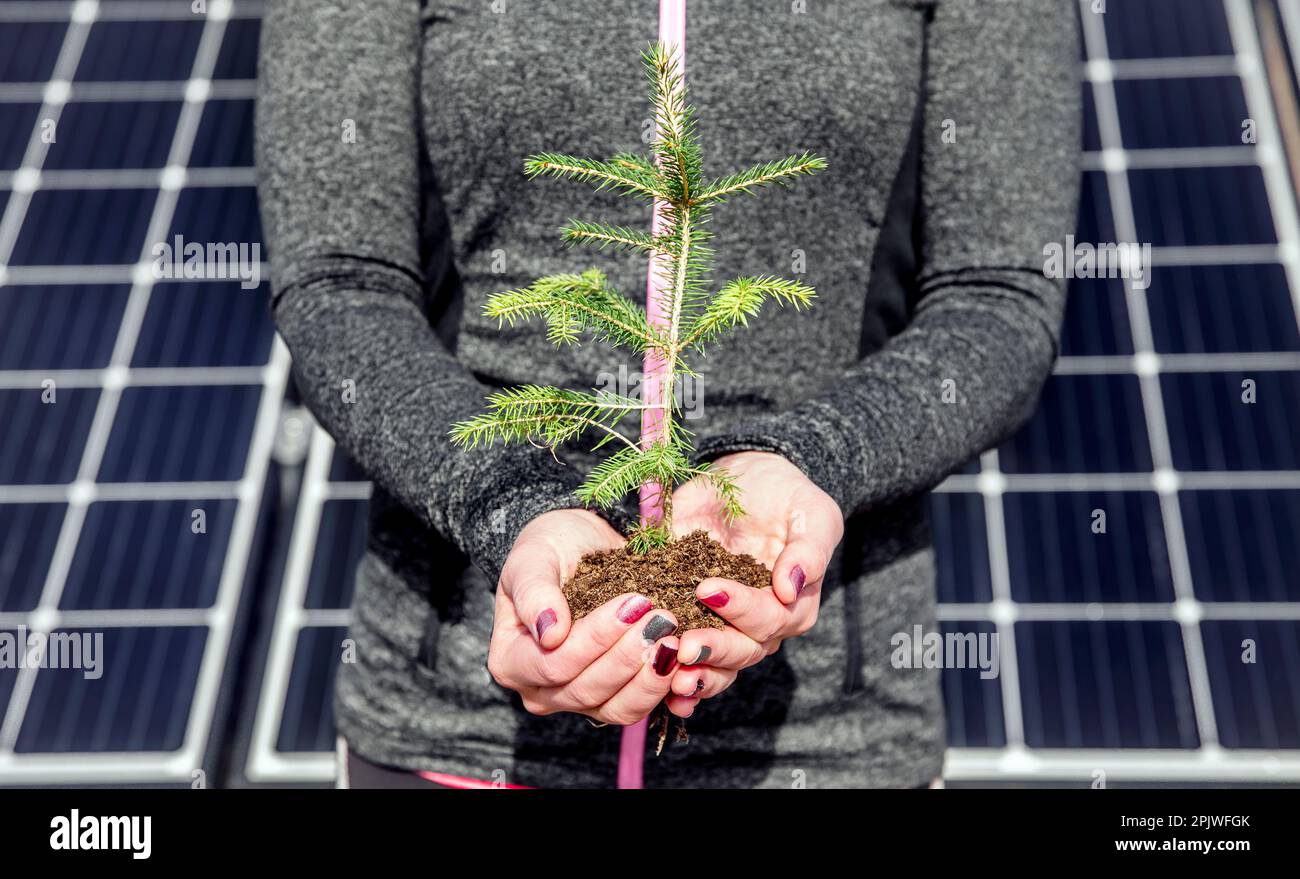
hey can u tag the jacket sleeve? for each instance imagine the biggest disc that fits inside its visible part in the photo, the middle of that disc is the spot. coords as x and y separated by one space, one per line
341 215
966 372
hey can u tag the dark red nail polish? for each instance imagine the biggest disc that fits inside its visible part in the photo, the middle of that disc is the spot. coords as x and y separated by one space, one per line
699 686
665 660
633 609
797 577
545 620
717 599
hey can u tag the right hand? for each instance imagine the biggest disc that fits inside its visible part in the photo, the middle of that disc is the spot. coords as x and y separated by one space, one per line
614 665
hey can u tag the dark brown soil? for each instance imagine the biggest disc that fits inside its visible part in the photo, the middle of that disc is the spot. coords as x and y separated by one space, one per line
667 576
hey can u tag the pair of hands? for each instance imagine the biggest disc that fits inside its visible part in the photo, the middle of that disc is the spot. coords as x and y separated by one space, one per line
618 662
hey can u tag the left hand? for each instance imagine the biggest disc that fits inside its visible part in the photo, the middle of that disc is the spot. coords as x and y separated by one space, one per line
790 525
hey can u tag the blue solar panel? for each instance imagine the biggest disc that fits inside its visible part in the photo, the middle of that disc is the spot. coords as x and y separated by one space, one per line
1100 407
308 722
59 327
223 214
973 702
1252 668
113 134
206 323
16 122
225 138
1216 309
1242 545
1087 546
1091 136
1105 685
42 442
1166 28
1096 319
340 543
140 50
28 50
84 226
238 58
957 523
28 533
149 554
7 677
139 703
1199 207
192 434
1204 111
344 469
1095 220
1211 426
185 433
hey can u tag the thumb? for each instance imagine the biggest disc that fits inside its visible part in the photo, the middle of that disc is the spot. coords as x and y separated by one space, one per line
531 580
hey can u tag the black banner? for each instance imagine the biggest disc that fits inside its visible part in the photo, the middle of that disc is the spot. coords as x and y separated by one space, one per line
567 830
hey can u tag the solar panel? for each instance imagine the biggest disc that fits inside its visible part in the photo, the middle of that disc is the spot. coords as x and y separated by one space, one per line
1123 636
1126 651
139 412
293 737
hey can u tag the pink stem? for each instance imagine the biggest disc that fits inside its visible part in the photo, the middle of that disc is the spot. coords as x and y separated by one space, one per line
672 33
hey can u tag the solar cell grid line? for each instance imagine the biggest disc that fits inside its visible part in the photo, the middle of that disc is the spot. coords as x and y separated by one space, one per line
121 491
1176 157
254 473
135 178
1166 480
1002 610
1191 481
1120 610
1163 68
125 90
165 375
1121 364
115 10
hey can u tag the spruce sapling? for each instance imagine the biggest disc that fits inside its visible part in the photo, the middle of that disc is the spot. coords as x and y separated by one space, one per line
672 179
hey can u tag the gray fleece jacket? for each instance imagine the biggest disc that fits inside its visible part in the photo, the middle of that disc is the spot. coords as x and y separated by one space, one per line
391 135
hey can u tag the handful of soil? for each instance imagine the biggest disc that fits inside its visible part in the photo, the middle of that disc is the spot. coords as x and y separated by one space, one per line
667 576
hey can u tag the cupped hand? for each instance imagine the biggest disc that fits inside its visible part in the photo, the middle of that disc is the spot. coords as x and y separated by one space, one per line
614 665
790 525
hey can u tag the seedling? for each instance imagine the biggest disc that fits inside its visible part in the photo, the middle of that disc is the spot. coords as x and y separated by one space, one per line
580 306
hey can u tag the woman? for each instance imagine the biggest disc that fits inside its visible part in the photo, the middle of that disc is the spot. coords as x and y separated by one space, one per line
390 140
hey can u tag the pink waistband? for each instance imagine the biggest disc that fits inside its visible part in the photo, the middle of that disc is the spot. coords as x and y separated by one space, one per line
461 783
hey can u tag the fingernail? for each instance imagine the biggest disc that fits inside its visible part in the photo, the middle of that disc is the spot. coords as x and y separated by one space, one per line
633 609
665 660
717 599
699 686
797 577
545 620
658 626
705 653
